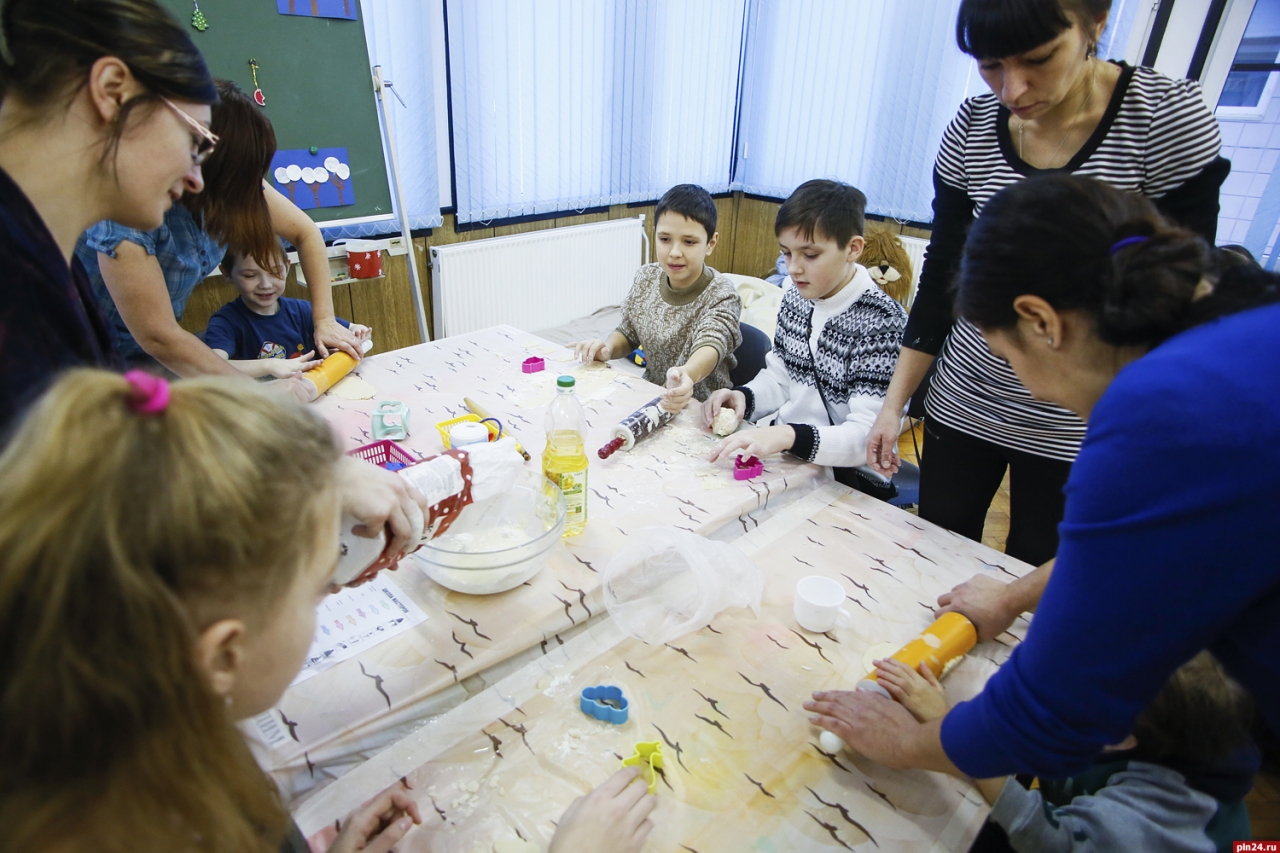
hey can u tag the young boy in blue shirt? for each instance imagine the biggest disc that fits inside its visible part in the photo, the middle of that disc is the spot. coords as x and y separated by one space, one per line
263 333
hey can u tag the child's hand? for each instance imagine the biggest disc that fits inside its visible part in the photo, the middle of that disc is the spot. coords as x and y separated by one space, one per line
679 389
283 368
725 398
378 824
917 691
759 443
592 350
332 335
362 333
613 817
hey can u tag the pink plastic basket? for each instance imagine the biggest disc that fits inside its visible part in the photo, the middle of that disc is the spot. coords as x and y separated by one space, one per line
381 453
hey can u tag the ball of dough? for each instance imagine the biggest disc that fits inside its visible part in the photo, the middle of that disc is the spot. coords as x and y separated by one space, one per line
831 744
726 422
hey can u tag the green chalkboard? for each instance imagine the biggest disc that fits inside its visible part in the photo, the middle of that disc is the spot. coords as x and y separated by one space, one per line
315 75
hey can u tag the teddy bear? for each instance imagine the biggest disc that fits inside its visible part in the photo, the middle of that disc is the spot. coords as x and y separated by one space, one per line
888 263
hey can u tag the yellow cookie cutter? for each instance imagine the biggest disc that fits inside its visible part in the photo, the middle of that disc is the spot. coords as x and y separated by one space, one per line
444 426
648 758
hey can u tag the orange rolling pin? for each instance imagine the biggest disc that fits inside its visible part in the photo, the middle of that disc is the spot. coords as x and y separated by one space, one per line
949 638
330 371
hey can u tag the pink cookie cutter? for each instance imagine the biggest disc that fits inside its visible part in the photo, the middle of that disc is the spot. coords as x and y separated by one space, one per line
745 469
534 365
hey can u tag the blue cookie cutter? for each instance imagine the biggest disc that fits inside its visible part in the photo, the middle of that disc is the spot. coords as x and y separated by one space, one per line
604 703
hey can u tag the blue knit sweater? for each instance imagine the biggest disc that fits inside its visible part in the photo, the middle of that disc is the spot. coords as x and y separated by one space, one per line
1169 546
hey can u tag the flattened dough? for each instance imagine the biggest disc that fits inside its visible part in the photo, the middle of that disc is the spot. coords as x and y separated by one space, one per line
352 387
879 651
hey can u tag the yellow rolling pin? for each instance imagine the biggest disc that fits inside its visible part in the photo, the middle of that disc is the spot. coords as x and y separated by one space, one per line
331 371
948 639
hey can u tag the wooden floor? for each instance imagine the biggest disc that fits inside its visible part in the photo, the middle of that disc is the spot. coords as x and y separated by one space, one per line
1264 799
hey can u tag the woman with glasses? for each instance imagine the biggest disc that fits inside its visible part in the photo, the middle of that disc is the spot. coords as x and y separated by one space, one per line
85 135
142 278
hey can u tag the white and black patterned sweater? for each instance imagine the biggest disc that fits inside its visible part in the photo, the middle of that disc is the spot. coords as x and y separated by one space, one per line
829 369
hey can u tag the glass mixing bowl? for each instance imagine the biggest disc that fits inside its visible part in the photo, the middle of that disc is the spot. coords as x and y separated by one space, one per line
498 543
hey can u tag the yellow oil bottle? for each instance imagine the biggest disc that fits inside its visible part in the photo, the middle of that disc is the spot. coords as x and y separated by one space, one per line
564 461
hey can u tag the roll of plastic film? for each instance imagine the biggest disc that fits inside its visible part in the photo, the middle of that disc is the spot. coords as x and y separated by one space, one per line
468 432
951 636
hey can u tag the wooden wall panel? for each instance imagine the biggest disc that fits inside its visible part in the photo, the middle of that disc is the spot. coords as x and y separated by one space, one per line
755 248
726 226
578 219
386 305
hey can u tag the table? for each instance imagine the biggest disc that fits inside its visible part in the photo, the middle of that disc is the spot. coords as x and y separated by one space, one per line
743 767
339 717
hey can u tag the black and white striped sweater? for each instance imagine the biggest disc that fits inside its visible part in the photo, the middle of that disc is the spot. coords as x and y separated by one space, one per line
1156 138
829 369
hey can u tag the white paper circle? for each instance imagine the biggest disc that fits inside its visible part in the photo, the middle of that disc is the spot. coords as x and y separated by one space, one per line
308 175
331 163
321 174
343 171
282 175
294 172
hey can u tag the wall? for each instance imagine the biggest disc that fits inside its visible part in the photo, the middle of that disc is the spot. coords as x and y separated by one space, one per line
747 246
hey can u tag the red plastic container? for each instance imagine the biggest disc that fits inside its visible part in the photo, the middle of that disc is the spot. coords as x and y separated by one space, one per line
381 453
364 258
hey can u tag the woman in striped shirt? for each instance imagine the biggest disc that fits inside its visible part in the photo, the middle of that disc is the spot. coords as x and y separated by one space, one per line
1053 107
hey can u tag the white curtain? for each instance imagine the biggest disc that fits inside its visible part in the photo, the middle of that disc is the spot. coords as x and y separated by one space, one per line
400 36
857 91
569 104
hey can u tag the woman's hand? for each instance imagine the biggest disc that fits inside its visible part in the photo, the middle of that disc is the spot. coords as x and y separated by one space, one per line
868 723
679 389
330 334
882 443
283 368
378 824
592 350
377 499
984 602
725 398
762 442
613 817
918 692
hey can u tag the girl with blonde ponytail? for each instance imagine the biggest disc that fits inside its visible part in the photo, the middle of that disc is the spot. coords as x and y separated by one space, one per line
162 551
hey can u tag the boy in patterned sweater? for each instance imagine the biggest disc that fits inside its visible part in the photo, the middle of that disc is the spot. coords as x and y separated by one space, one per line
834 352
683 312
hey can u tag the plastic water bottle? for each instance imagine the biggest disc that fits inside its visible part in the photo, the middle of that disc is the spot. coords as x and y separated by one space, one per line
564 461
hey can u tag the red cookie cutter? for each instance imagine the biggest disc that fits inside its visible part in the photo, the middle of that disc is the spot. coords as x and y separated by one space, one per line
534 365
745 469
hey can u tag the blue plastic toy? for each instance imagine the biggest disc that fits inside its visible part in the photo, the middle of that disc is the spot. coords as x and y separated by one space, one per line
391 420
605 703
637 355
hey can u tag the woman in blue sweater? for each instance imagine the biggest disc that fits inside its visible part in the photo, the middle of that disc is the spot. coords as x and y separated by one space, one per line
1164 547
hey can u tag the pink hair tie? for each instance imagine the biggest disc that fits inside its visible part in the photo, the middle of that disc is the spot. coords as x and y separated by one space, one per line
150 394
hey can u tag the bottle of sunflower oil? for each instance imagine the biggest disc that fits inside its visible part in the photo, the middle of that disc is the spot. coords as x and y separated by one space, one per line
564 461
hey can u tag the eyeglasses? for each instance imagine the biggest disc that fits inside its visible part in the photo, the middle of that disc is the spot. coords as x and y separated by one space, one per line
203 147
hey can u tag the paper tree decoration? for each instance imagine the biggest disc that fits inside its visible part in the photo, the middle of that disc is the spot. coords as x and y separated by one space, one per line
319 8
315 180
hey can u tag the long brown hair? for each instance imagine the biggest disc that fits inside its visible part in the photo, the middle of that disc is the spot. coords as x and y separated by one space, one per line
234 209
48 46
122 536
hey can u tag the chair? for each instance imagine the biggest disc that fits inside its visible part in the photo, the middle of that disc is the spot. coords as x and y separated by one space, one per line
750 354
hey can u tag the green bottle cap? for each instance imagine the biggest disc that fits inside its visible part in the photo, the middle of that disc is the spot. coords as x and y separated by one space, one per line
565 382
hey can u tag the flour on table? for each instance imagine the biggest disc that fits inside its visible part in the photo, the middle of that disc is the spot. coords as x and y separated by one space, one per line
880 651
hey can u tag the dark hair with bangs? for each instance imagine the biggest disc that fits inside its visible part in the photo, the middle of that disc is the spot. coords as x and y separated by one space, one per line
827 208
692 202
990 29
232 205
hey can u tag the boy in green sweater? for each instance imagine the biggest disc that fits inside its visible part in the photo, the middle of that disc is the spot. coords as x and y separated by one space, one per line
683 312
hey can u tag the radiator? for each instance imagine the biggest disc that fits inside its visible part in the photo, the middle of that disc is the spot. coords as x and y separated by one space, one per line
915 247
534 281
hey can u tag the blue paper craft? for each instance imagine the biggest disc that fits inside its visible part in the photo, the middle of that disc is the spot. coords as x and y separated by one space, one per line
319 8
311 180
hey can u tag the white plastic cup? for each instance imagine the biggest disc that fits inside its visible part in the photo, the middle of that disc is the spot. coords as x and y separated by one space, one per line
817 605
